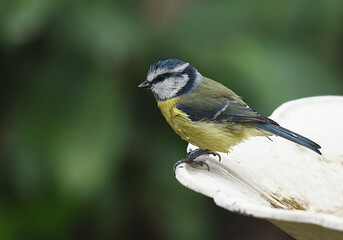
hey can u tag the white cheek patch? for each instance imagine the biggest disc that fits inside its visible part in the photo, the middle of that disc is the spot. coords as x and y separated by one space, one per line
154 74
170 86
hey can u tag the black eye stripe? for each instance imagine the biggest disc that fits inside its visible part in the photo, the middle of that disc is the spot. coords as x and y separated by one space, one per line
161 77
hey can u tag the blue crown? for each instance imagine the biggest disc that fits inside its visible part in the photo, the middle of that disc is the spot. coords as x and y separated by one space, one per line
169 64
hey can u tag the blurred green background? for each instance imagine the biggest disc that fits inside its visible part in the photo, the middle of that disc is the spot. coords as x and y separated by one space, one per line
85 154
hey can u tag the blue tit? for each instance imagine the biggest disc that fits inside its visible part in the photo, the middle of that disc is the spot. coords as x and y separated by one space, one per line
207 114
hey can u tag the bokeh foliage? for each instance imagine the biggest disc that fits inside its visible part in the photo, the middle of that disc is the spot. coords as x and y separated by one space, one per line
85 154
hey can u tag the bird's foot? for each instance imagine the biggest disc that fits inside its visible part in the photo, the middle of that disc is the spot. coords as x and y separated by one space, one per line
198 152
190 160
192 155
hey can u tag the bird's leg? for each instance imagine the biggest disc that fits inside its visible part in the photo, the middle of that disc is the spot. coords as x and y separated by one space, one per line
192 155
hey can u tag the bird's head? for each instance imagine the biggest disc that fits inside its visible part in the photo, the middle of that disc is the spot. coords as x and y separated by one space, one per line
171 78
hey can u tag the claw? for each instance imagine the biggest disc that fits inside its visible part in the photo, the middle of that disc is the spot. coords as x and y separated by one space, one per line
192 155
218 155
201 163
178 163
213 153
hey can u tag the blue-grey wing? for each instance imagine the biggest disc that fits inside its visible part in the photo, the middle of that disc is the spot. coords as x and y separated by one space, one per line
220 110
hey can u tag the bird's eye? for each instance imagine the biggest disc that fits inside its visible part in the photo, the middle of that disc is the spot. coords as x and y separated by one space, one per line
161 77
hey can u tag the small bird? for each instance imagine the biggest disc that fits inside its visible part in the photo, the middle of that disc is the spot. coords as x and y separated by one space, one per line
207 114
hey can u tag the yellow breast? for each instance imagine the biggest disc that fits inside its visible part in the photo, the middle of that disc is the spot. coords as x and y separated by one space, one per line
204 134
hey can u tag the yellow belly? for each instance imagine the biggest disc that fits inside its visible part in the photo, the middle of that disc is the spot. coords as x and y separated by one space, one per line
206 135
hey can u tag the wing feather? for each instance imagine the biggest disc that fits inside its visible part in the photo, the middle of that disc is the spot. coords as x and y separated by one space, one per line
214 102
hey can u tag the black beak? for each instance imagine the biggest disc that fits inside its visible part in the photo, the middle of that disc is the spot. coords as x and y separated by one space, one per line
144 84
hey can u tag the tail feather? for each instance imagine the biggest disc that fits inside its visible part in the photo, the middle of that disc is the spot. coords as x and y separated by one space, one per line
294 137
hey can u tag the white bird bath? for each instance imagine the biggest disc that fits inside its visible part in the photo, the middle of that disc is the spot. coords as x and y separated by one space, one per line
291 186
